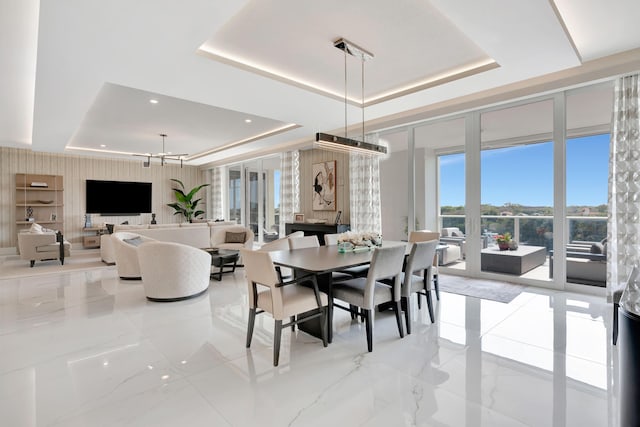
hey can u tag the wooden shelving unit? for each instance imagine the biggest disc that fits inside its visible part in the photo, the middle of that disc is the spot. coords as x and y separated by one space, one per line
40 197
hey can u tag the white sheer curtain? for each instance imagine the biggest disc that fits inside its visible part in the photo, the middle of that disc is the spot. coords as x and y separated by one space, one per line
364 184
624 185
289 187
216 192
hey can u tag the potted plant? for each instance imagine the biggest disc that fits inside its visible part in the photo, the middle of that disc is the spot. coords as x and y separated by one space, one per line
185 204
503 241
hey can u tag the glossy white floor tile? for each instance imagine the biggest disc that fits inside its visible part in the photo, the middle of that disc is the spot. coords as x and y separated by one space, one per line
86 349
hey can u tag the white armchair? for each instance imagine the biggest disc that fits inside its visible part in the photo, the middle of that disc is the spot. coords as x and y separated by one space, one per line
173 271
453 236
125 247
232 237
38 246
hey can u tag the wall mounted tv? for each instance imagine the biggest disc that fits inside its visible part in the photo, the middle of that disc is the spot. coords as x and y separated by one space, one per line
118 197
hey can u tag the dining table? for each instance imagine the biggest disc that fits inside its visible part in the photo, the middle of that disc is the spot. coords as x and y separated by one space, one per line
322 261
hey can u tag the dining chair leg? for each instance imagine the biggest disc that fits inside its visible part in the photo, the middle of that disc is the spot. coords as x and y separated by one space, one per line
406 304
292 319
419 301
368 320
325 326
615 322
436 286
354 311
430 306
277 335
330 320
252 321
397 308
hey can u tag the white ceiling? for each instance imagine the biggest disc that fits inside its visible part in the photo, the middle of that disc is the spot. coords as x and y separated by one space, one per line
80 73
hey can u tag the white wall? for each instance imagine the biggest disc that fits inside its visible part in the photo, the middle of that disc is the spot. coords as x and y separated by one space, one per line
393 195
75 171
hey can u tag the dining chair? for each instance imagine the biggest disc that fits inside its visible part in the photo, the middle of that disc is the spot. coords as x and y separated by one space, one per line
304 242
420 260
313 242
269 294
368 292
281 244
358 271
425 236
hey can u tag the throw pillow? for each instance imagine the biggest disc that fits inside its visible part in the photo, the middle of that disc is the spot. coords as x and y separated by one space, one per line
135 241
109 228
597 248
235 237
36 228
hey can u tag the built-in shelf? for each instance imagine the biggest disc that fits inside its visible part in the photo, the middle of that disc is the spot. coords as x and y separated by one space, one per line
31 200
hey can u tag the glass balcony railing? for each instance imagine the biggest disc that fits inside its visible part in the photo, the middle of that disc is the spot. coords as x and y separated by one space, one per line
536 230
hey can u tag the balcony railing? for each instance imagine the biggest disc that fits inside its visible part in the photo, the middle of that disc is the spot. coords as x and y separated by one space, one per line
534 230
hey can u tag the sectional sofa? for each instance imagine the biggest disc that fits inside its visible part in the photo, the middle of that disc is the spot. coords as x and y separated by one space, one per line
199 235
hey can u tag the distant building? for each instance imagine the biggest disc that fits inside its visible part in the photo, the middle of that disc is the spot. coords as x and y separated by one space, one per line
506 213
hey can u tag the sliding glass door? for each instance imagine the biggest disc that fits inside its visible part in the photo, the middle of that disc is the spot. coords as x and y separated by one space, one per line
254 196
517 190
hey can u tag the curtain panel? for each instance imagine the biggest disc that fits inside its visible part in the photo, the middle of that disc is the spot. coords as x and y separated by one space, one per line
289 187
364 182
216 192
624 185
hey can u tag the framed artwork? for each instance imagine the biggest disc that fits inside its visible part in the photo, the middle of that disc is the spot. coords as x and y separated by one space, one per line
324 186
298 217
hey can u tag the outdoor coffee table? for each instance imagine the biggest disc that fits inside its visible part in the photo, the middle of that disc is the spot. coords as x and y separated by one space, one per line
517 262
222 258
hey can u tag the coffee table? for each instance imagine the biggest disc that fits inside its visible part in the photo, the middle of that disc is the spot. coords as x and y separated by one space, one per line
222 258
517 262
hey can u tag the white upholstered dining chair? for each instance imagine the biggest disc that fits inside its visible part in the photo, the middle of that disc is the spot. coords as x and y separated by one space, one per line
420 260
369 292
267 293
425 236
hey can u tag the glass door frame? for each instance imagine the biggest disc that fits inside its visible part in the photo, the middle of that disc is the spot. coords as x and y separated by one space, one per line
472 151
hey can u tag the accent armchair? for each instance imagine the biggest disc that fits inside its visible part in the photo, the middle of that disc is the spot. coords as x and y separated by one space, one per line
41 246
453 236
173 271
125 246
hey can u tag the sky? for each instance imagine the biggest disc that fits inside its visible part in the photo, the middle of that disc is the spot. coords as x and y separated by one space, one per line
524 174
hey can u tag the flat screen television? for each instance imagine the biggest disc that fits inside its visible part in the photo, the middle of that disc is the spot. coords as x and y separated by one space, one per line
118 197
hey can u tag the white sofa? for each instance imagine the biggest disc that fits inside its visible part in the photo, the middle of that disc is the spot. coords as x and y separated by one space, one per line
173 271
198 235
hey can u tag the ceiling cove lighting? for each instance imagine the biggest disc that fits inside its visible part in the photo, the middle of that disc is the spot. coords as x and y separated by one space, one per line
163 156
338 143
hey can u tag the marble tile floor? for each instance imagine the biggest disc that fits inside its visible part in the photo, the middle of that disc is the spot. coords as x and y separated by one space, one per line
87 349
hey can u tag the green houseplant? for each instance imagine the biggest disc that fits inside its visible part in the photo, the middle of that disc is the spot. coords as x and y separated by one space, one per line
185 204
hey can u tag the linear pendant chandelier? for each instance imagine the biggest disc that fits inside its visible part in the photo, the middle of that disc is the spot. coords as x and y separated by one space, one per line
339 143
163 156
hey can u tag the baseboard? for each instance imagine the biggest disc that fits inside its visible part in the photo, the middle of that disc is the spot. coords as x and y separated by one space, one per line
8 251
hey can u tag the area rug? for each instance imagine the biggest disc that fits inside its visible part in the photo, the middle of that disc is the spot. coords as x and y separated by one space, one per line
12 267
486 289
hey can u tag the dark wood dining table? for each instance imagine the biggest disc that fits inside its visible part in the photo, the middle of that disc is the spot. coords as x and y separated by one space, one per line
322 261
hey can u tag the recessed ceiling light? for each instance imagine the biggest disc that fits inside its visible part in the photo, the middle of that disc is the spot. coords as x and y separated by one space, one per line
247 120
102 145
153 101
